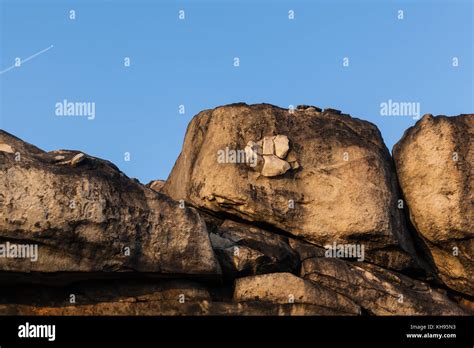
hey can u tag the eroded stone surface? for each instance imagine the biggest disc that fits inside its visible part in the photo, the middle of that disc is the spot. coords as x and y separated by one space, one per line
344 190
92 218
435 166
288 288
274 166
282 146
248 250
378 291
6 148
156 185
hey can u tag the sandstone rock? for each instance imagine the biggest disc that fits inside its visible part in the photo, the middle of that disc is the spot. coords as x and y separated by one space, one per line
274 166
274 151
59 158
253 153
84 218
345 189
306 250
377 290
308 107
292 160
237 261
156 185
6 148
66 158
291 157
282 145
77 159
255 147
435 166
84 214
288 288
294 165
268 146
247 250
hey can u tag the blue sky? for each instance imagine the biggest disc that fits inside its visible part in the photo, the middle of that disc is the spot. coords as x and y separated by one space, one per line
190 62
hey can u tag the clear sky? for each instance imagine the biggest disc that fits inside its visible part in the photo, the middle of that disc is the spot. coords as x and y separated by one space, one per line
190 62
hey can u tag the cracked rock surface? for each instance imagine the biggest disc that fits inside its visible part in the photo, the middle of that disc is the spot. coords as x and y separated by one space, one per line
344 187
435 167
85 216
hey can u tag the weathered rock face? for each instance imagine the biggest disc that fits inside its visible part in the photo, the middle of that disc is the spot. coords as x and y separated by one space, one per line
377 290
435 166
342 187
288 288
308 226
306 250
87 216
156 185
247 250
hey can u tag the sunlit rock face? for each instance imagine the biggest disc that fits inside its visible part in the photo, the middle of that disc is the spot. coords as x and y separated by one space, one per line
435 166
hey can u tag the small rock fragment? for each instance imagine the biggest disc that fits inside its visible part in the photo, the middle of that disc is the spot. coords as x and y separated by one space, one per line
294 165
58 158
274 166
308 107
282 146
291 157
6 148
156 185
77 159
253 154
287 288
268 146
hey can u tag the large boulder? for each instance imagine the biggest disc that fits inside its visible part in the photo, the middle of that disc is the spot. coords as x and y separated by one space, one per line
287 288
377 290
335 181
435 166
84 215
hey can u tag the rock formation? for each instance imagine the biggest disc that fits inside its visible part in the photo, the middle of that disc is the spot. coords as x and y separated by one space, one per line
344 190
304 217
435 166
288 288
246 250
87 216
156 185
